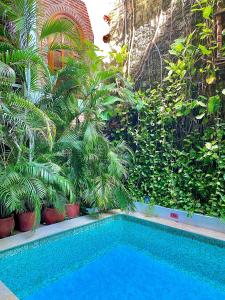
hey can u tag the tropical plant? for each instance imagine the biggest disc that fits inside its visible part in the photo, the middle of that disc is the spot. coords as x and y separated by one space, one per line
81 104
26 185
20 41
25 182
47 121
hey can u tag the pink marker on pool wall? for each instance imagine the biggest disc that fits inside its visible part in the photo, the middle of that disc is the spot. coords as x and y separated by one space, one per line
174 216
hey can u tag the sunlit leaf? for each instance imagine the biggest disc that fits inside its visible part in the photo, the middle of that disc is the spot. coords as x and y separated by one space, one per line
204 50
214 104
199 117
211 79
207 12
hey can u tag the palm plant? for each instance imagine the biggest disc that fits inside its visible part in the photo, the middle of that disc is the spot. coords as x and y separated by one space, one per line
77 102
25 186
97 167
20 40
25 128
24 182
81 102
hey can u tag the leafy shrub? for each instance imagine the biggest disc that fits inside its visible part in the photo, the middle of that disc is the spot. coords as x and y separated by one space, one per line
177 128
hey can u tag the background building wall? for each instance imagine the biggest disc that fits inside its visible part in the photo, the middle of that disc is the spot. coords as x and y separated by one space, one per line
76 10
148 27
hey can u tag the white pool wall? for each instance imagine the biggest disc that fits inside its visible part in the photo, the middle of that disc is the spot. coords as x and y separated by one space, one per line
182 216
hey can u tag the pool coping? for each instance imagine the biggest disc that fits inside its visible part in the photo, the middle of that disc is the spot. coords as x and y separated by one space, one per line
5 293
45 231
208 233
51 230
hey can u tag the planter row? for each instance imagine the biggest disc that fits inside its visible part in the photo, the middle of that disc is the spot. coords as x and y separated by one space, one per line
26 221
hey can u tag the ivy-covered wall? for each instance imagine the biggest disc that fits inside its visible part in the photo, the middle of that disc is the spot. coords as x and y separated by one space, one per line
148 27
176 128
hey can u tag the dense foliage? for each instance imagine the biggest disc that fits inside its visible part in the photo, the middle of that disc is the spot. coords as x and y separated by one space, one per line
177 128
55 146
52 146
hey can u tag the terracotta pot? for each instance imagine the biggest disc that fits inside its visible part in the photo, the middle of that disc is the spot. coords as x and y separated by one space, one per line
72 210
26 221
6 226
51 216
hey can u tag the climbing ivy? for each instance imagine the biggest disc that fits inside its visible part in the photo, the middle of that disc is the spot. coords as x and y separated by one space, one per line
177 129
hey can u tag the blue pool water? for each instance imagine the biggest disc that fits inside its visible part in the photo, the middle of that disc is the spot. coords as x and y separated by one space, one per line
117 258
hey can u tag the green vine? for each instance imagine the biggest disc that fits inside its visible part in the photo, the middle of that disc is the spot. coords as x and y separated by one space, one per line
177 129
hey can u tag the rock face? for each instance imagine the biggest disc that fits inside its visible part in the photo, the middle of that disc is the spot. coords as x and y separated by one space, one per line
148 27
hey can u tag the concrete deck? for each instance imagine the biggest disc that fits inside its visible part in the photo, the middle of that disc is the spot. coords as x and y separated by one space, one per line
5 293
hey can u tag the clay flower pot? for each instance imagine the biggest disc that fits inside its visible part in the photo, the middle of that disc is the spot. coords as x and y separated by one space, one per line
72 210
51 216
6 226
26 221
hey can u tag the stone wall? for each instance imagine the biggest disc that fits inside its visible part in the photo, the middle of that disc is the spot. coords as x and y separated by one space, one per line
148 27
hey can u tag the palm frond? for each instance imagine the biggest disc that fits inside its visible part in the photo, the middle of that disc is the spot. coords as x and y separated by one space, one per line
49 173
7 74
14 100
54 26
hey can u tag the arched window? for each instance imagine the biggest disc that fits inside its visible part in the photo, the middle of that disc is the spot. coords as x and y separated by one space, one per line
56 57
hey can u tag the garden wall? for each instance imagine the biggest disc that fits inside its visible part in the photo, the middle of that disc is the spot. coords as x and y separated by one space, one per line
148 27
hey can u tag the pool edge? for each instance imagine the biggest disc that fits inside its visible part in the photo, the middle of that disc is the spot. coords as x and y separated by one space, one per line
45 231
6 293
200 231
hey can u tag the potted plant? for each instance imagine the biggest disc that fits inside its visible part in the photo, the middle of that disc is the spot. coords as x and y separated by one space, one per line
28 215
72 210
26 221
52 215
7 222
54 207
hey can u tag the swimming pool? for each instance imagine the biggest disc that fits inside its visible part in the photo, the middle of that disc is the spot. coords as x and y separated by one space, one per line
120 257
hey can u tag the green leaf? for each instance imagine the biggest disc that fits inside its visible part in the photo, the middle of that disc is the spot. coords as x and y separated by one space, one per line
7 74
200 103
199 117
214 104
105 116
204 50
111 100
208 146
207 12
56 26
211 79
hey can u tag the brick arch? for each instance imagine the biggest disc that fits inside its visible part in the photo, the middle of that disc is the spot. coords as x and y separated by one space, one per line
75 10
73 20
